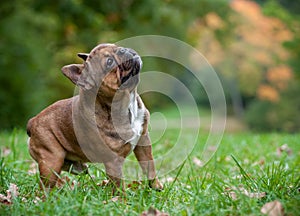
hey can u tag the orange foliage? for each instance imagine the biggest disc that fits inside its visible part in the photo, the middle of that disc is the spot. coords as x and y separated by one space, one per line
252 52
213 21
262 33
266 92
247 7
251 13
279 76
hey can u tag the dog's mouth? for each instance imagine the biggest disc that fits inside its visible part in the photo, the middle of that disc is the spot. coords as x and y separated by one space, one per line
129 69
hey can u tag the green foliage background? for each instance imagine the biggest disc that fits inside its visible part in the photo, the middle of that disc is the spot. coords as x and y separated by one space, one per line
38 37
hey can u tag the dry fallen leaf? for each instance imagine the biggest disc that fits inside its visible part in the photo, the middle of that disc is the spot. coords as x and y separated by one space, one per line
4 199
284 148
232 193
114 199
255 194
198 162
32 168
154 212
261 163
11 193
73 184
104 183
273 208
37 200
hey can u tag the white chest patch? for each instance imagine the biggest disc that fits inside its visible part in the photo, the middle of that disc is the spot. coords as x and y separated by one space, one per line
137 120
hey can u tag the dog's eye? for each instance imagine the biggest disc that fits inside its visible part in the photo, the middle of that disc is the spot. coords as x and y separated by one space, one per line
109 62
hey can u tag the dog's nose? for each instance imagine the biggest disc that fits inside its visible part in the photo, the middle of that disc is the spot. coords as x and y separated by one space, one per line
121 51
129 52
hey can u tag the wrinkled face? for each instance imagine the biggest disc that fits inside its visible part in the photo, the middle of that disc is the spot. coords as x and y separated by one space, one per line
107 67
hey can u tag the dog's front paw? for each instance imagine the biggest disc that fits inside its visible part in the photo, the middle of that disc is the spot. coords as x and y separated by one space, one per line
155 184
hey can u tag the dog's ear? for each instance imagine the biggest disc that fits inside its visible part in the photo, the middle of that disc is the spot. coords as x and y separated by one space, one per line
84 56
73 72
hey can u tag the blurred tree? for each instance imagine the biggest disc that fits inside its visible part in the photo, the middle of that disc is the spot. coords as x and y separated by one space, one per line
273 8
39 37
283 115
23 61
244 46
292 6
251 59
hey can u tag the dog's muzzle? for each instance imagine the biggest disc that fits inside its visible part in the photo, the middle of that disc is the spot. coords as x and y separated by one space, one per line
130 65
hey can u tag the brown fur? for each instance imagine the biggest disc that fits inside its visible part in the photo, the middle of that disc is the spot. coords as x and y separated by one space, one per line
80 129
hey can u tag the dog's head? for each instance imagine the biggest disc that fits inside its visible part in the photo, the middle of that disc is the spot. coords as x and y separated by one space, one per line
106 68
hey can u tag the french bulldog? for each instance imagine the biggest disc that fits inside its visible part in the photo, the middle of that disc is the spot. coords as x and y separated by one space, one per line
102 124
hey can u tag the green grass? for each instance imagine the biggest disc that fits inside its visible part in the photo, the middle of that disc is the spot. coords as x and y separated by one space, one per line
243 160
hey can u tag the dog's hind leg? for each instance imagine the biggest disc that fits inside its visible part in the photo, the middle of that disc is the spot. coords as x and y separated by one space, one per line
50 168
48 175
50 159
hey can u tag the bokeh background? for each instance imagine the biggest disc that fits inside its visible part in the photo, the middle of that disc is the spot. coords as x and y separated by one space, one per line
254 46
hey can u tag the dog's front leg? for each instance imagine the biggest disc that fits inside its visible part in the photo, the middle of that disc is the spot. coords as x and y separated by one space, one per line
143 153
114 173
